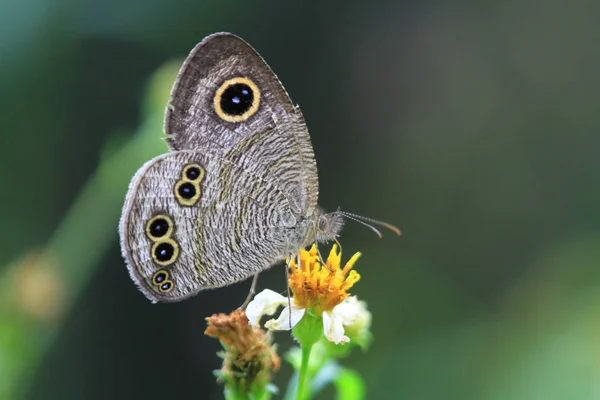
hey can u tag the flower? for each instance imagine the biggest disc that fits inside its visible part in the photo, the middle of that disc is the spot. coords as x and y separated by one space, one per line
356 319
249 357
317 291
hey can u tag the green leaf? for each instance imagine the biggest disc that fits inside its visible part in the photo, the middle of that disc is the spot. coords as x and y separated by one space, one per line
294 357
349 385
292 387
328 373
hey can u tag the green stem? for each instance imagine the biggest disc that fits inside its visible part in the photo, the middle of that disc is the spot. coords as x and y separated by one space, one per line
303 375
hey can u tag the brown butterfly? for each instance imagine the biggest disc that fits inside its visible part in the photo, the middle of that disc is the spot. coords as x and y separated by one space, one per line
238 191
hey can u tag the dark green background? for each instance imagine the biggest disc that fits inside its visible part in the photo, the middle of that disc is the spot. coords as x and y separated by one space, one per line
473 126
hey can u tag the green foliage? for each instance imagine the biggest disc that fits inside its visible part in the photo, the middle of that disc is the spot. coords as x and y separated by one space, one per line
24 338
472 127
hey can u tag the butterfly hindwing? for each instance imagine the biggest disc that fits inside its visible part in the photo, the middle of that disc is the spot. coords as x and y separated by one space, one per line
185 221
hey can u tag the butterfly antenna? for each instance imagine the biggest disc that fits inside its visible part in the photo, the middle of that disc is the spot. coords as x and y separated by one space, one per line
368 221
371 227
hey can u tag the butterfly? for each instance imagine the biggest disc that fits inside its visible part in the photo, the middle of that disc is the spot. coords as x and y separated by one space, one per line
238 190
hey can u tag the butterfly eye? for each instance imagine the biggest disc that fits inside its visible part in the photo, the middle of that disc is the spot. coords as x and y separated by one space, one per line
322 224
159 226
237 99
165 252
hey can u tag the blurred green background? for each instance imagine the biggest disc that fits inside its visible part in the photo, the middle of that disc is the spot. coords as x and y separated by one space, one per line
473 126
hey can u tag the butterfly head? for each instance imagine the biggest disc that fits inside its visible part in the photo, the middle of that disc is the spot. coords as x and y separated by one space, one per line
328 226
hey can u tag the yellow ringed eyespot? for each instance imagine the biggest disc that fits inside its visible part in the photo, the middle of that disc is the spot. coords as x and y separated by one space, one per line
159 226
237 99
165 251
193 172
187 193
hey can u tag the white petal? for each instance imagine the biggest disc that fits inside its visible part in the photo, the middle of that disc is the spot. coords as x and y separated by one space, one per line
346 311
264 303
349 310
283 322
334 327
353 313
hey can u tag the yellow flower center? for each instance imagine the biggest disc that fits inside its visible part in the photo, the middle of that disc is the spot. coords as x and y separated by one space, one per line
320 288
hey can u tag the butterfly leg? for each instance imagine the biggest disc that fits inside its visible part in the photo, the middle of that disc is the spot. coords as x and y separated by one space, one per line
287 284
323 262
250 293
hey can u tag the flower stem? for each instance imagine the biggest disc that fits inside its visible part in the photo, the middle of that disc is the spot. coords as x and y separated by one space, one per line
303 375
